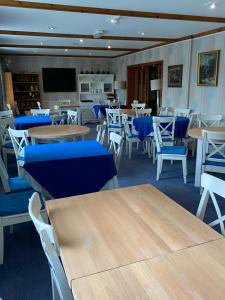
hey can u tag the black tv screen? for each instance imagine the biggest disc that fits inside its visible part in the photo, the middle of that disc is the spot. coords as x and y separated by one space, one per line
59 79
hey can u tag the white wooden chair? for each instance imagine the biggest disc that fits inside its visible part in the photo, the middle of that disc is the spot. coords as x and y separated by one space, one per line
143 112
163 111
19 139
114 121
72 117
65 102
187 140
182 112
213 161
116 146
13 184
168 152
138 105
101 129
40 112
60 288
167 129
209 120
6 113
135 102
58 119
39 104
212 186
129 137
5 141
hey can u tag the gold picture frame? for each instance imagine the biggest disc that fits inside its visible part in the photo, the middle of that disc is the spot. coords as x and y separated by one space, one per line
208 68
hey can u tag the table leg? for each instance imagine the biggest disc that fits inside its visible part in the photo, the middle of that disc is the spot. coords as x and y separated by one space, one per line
198 166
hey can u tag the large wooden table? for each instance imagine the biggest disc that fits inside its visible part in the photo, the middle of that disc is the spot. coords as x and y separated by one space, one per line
57 132
197 134
106 238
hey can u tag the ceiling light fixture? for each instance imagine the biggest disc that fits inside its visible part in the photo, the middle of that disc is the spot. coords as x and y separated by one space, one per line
51 27
211 5
66 50
98 33
41 43
109 47
115 20
81 40
141 33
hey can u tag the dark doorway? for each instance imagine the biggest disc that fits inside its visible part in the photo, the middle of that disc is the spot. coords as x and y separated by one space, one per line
139 84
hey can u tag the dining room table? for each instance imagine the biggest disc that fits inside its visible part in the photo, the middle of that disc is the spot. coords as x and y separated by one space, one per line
57 132
26 122
144 126
136 243
66 169
196 133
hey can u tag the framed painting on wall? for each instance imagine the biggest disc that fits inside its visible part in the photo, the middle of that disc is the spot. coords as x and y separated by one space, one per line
175 74
207 68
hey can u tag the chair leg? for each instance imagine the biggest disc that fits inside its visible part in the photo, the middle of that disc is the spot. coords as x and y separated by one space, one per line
184 166
153 153
130 148
4 155
126 146
1 244
159 167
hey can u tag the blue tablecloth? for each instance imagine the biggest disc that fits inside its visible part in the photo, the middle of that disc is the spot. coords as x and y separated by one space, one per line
72 168
27 122
143 126
101 108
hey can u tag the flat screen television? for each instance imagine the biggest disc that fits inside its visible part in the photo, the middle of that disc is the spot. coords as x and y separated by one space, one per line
59 79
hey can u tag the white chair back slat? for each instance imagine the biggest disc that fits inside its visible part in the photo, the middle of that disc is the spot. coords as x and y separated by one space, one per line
182 112
19 140
216 140
72 117
143 112
116 146
212 186
138 105
5 123
40 112
113 117
4 176
101 129
209 120
166 131
39 104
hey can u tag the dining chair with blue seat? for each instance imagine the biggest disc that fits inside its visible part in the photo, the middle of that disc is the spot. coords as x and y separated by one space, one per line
60 287
5 141
13 210
114 121
168 152
129 136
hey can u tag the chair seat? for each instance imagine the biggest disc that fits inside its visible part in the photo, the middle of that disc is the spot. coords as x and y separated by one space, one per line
8 146
115 126
215 163
173 150
15 203
18 184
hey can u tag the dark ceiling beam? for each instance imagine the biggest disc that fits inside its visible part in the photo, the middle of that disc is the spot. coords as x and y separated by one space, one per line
108 11
86 36
55 55
65 47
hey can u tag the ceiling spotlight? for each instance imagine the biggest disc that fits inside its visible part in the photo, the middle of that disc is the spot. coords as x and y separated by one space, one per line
141 33
51 27
98 33
109 47
211 5
66 50
41 43
114 20
81 40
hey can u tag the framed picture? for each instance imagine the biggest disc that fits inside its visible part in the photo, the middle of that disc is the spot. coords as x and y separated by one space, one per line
175 76
208 66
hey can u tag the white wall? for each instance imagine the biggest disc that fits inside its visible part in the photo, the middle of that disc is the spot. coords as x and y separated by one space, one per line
35 64
200 99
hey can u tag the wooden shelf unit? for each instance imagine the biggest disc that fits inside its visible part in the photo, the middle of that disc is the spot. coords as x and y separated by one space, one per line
26 90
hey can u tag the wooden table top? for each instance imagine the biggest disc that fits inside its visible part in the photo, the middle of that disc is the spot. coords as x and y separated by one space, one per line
197 132
128 111
109 229
57 131
194 273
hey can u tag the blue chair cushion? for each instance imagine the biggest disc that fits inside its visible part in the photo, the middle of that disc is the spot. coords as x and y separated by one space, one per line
18 184
8 146
115 126
14 203
173 150
215 163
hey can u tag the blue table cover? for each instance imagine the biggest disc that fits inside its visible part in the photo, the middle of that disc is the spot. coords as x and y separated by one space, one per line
72 168
144 126
101 108
23 123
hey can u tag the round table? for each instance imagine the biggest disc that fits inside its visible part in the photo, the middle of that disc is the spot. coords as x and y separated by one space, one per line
144 126
128 111
57 132
197 134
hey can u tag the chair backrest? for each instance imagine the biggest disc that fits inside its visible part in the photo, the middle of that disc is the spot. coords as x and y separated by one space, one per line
65 102
163 111
209 120
19 140
135 102
212 186
40 112
39 104
8 105
6 113
143 112
57 271
101 129
72 117
58 119
126 125
157 134
5 123
116 146
56 107
166 126
170 111
113 116
183 112
217 145
4 176
138 105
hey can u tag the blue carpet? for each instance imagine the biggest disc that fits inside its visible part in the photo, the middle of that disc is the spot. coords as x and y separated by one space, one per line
25 273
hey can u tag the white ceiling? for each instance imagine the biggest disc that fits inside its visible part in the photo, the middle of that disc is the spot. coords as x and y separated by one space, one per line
22 19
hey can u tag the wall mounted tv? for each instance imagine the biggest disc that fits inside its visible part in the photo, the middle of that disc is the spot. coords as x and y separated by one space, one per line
59 79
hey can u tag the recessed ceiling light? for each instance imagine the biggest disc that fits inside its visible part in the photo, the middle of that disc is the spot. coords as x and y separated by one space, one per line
81 40
211 5
90 53
41 43
66 50
114 20
109 47
51 27
141 33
